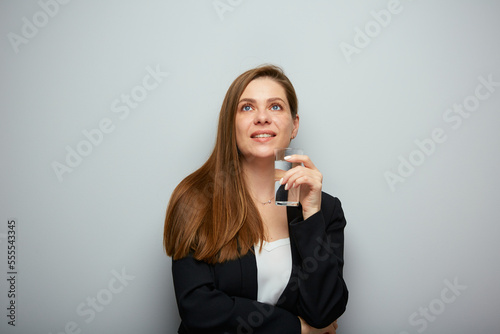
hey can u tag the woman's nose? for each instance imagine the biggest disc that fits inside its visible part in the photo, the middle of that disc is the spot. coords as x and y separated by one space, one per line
262 116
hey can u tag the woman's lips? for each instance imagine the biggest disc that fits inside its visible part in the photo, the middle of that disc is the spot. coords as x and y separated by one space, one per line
263 134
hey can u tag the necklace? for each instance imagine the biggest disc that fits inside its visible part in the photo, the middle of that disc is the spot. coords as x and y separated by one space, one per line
267 202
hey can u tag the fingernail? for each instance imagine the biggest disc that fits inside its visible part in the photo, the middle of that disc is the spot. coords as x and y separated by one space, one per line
281 181
286 186
287 157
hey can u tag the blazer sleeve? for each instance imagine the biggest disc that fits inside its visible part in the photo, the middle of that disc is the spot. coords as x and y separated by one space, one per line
205 309
319 242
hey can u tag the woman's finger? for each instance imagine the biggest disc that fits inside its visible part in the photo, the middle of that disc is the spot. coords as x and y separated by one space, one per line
302 175
302 159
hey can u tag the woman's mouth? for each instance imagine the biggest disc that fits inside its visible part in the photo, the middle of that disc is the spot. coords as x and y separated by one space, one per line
263 134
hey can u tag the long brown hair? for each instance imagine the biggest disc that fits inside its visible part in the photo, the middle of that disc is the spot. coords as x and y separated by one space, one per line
210 213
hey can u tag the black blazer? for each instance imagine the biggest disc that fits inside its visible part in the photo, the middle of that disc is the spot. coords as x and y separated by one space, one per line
222 298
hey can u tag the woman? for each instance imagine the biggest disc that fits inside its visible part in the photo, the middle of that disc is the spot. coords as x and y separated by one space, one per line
221 225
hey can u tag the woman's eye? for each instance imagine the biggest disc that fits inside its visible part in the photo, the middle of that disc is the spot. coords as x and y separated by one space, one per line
246 108
276 107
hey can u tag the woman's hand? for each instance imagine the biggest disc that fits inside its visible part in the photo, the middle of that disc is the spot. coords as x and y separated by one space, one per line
306 329
309 178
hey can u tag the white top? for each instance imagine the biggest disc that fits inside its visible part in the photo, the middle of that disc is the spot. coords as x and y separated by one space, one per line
274 267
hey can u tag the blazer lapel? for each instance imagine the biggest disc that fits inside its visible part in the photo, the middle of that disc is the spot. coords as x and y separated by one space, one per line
248 266
293 212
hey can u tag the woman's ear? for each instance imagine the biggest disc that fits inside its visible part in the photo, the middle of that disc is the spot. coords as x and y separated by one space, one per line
295 128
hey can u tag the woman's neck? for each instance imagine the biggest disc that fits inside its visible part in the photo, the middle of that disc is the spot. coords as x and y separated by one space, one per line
259 176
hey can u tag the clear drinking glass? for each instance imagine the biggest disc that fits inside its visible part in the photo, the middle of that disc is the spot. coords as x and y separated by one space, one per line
288 197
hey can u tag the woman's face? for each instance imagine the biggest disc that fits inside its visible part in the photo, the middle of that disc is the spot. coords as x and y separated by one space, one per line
263 119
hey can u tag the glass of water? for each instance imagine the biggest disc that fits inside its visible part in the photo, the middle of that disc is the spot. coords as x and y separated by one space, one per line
288 197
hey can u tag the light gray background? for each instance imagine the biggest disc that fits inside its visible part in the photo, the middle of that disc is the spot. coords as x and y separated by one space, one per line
357 118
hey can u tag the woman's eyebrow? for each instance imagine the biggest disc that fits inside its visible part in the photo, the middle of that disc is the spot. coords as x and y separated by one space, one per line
247 100
272 99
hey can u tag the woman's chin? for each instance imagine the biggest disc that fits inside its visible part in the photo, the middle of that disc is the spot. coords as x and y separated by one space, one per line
260 156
